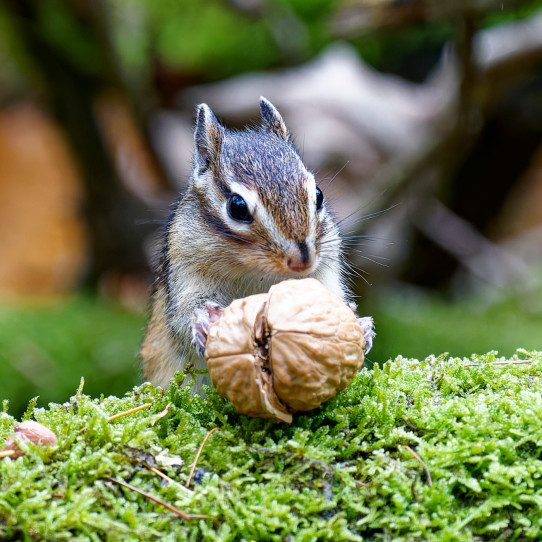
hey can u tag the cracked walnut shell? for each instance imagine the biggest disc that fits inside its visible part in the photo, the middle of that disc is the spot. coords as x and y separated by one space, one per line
289 350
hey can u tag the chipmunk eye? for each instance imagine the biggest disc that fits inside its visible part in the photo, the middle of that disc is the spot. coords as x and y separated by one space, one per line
319 199
238 209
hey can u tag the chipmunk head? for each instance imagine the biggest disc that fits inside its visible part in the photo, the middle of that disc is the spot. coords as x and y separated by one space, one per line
255 191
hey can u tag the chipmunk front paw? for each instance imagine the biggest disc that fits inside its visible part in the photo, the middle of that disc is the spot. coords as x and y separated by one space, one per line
201 320
367 325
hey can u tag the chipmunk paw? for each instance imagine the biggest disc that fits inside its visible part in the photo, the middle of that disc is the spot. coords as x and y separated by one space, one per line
367 325
201 320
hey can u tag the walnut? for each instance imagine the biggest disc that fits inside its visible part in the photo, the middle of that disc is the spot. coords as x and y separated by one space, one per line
286 351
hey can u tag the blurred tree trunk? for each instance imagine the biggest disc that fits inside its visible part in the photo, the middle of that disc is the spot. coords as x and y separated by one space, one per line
72 89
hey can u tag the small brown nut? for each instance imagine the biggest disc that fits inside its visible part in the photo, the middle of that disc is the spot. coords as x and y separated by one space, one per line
289 350
28 431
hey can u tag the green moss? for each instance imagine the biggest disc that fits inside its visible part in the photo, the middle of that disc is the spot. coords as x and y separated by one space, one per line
341 472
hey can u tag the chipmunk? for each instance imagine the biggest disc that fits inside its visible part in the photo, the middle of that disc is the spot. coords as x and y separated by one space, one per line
252 216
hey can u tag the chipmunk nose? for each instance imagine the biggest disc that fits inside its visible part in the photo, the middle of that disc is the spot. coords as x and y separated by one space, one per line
301 256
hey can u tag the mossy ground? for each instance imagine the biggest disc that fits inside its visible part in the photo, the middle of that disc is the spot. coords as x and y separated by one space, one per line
341 472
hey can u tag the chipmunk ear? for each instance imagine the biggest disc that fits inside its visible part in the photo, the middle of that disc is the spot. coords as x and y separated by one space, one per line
208 136
272 120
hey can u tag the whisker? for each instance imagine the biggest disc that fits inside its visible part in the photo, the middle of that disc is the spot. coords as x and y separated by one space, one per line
376 262
372 257
354 272
334 176
365 238
365 217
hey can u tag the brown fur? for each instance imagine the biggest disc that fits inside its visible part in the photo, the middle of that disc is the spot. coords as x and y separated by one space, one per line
209 256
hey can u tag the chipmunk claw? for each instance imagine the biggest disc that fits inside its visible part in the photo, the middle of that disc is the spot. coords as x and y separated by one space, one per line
367 325
201 320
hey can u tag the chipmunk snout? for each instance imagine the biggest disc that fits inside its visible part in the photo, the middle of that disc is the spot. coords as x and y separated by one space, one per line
300 256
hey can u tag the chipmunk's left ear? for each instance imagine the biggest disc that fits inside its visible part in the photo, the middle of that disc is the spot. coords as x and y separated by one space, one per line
272 120
208 135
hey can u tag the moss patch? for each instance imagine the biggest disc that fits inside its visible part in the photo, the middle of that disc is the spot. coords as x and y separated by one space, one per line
341 472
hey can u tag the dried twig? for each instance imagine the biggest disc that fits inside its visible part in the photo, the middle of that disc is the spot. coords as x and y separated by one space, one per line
316 463
360 484
176 511
191 475
121 414
128 412
420 461
507 362
167 478
6 453
480 256
161 415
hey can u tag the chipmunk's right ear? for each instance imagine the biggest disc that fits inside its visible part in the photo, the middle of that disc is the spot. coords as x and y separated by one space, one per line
208 136
272 119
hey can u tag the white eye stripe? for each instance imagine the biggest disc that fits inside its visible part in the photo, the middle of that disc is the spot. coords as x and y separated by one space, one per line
262 215
311 189
270 225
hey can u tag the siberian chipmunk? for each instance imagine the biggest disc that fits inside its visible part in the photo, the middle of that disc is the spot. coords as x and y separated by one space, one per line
252 216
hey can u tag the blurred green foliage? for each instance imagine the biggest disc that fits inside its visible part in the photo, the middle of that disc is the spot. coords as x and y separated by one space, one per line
203 40
46 350
68 36
212 39
520 11
208 39
422 325
205 37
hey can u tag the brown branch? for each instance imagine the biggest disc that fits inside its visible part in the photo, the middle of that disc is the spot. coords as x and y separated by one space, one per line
481 67
191 475
481 257
420 461
6 453
166 478
161 415
361 16
181 514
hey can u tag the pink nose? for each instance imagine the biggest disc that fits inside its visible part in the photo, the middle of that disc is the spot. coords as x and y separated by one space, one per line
298 267
300 258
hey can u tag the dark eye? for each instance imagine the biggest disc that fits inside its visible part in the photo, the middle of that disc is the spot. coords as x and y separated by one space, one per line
238 209
319 199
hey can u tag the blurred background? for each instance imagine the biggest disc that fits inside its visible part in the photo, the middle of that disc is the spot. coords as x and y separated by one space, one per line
422 120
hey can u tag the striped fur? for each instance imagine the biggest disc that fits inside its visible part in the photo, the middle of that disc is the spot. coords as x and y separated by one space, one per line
207 255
